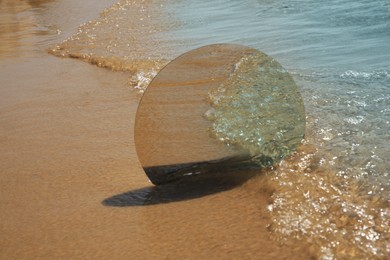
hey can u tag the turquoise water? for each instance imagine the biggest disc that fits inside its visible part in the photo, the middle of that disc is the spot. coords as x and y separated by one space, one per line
339 54
341 35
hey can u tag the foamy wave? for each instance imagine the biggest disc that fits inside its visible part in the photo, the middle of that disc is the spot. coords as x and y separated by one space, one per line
354 120
125 37
141 80
380 74
329 211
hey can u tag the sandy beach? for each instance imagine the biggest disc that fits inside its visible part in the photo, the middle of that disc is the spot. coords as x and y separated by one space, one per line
72 74
67 145
72 186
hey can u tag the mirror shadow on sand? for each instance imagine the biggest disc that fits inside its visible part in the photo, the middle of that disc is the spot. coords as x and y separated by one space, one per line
187 188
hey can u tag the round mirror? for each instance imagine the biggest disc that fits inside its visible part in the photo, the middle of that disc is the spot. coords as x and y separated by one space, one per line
221 106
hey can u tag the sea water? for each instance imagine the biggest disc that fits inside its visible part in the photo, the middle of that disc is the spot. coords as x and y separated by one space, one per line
338 52
333 193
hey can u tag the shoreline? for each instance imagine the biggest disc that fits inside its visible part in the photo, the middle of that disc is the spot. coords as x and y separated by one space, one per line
67 146
68 149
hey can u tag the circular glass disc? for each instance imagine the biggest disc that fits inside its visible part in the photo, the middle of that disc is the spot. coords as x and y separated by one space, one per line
221 106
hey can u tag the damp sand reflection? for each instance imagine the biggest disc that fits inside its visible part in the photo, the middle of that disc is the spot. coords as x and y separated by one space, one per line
19 22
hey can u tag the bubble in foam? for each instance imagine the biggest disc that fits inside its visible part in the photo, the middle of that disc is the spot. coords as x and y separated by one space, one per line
141 80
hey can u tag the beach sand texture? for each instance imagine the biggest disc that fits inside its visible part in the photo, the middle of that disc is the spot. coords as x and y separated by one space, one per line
72 187
67 146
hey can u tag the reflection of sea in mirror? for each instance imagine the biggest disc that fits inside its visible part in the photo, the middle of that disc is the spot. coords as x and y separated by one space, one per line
259 109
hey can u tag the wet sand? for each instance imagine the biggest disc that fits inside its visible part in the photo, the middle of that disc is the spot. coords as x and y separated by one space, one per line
67 146
71 185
